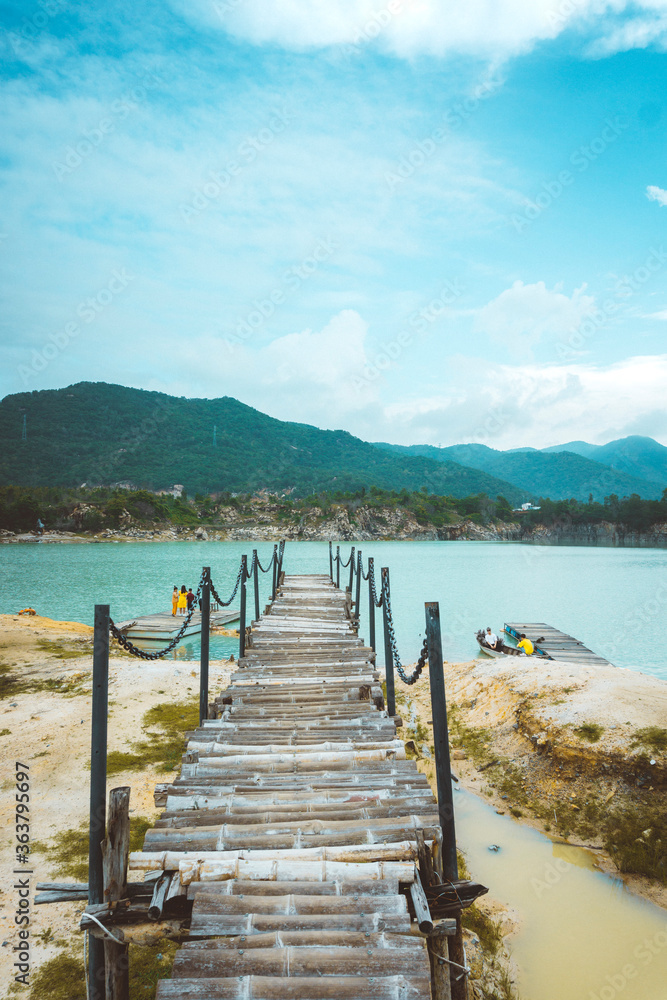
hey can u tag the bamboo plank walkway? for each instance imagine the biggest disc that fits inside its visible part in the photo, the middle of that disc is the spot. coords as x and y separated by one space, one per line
292 823
557 644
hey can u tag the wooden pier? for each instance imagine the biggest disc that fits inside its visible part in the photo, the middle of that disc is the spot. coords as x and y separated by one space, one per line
295 822
558 645
163 626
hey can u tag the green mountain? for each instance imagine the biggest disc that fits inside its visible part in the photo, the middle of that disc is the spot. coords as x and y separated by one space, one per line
102 434
635 455
558 475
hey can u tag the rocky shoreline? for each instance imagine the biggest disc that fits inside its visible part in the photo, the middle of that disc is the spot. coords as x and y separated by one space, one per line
385 524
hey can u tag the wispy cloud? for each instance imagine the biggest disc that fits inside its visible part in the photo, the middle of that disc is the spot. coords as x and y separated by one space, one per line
654 193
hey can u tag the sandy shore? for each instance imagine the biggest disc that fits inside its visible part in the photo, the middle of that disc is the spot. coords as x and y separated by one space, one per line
50 731
535 720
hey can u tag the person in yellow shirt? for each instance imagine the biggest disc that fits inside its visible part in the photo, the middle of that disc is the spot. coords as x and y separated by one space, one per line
526 645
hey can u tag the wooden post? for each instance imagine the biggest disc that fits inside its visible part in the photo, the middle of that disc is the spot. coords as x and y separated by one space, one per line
357 596
204 643
115 853
255 580
275 573
352 567
338 566
371 605
98 786
242 615
331 561
388 655
443 773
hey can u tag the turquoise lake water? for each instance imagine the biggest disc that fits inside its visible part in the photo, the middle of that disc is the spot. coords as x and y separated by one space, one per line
613 600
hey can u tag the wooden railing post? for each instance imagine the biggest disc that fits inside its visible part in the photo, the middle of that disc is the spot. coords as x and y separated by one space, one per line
242 614
351 571
443 774
357 596
255 581
98 786
274 586
338 566
388 655
115 853
331 561
371 605
204 646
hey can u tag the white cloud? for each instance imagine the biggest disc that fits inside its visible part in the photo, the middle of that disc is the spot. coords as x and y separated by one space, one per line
654 193
409 28
534 406
523 315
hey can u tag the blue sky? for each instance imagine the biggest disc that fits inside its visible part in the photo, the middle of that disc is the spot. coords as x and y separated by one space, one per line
418 221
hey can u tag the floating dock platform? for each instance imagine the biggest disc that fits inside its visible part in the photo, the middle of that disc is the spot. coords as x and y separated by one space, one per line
163 626
558 645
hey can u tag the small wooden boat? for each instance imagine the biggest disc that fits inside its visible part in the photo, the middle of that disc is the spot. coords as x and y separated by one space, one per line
502 649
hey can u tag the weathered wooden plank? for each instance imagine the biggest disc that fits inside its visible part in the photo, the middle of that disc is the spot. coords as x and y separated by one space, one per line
253 987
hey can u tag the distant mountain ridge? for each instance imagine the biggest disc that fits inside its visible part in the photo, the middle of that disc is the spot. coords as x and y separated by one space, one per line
634 455
561 473
102 434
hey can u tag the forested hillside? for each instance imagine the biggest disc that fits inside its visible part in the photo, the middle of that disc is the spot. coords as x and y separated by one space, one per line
559 475
102 434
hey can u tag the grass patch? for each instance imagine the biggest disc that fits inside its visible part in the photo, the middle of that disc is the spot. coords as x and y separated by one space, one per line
68 852
63 977
12 685
62 651
652 737
591 731
5 732
148 966
475 741
487 930
163 749
637 841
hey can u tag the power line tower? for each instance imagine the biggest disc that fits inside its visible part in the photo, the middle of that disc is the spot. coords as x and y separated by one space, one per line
24 431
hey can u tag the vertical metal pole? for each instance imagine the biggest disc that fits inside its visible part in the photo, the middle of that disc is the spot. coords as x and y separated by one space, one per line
357 596
338 566
331 561
244 574
352 568
275 572
371 606
388 656
443 771
98 790
255 576
205 609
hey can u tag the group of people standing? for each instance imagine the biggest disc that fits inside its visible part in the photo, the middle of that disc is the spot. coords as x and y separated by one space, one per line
182 601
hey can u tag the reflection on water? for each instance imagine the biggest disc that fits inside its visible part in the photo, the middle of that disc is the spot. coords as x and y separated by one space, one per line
583 936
